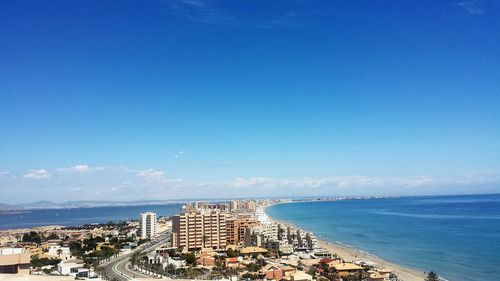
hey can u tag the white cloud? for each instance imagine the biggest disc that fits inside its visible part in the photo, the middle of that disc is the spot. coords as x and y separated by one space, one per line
152 175
345 181
78 169
4 173
37 174
179 154
215 12
471 6
126 183
156 176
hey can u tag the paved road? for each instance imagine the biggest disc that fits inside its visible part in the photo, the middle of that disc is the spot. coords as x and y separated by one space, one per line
118 269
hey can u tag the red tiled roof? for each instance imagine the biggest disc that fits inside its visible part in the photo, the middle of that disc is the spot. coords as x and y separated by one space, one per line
326 260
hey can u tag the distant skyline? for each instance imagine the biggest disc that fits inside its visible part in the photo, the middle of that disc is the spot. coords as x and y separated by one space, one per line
179 99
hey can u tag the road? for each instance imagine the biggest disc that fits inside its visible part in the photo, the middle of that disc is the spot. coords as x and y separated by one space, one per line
117 268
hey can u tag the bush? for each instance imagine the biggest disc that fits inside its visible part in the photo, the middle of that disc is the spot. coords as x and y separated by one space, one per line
32 236
250 276
37 262
190 258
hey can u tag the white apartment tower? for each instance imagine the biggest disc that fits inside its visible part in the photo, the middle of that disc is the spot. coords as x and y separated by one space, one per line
147 225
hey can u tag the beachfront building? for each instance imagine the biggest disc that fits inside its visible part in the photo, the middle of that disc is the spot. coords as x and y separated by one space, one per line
378 274
344 269
278 237
242 206
147 225
258 235
198 229
14 261
301 240
196 206
236 228
298 275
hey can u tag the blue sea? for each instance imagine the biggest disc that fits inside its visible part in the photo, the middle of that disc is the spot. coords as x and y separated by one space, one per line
79 216
456 236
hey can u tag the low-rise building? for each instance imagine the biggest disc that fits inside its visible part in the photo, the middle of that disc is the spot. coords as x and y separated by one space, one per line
59 252
344 269
177 262
70 267
206 260
14 261
299 275
234 262
252 250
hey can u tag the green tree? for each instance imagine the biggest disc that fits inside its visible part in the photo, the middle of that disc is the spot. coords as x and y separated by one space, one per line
32 236
107 252
232 253
190 258
37 262
250 276
432 276
170 268
253 267
76 249
312 271
53 236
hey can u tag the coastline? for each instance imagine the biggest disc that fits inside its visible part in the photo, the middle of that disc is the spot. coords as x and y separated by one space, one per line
352 254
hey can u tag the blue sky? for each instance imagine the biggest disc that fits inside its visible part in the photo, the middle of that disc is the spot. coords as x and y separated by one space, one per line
205 98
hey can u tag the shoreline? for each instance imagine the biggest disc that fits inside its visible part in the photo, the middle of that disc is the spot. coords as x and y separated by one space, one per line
353 254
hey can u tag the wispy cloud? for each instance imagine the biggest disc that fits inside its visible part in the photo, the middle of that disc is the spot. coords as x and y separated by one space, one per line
345 181
37 174
4 173
179 154
472 7
78 169
156 176
214 12
126 183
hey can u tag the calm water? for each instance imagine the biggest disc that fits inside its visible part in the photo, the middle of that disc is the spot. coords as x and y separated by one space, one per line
78 216
457 236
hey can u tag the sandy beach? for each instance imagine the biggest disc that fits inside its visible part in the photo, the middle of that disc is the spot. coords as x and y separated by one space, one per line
352 254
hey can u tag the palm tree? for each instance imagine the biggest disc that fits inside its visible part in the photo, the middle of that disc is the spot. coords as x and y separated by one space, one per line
170 268
432 276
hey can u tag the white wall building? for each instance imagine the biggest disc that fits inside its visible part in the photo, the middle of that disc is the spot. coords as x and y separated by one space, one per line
60 252
69 267
148 225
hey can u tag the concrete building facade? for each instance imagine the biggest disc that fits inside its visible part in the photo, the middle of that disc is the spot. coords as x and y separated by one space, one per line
147 225
195 230
14 261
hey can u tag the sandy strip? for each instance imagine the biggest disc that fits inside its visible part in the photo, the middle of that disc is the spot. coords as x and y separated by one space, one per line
351 254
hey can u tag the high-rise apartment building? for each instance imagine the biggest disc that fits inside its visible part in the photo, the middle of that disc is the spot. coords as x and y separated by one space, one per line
236 228
147 225
198 229
230 230
242 206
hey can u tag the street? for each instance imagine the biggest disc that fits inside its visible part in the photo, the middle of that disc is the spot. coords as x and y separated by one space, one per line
117 268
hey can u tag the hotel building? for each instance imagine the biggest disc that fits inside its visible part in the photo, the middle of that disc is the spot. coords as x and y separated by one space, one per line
147 225
198 229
